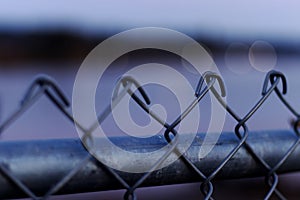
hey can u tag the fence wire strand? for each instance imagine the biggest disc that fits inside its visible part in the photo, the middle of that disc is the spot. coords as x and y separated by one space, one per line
46 86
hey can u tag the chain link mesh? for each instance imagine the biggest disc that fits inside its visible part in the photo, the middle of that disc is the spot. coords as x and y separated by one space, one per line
46 86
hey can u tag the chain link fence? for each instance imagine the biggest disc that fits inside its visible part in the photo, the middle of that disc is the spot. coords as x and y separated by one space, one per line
275 82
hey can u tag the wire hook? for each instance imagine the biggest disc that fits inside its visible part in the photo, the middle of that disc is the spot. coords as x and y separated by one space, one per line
273 76
208 77
125 80
42 81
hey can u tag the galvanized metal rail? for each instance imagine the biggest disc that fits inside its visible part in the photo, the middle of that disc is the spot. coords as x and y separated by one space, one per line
40 164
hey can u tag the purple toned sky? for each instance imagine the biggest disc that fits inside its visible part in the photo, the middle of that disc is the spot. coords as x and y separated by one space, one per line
269 18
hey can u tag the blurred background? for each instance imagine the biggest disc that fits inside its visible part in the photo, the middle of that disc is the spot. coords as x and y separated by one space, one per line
246 39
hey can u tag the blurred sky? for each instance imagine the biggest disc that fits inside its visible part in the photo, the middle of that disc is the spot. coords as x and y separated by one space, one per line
231 18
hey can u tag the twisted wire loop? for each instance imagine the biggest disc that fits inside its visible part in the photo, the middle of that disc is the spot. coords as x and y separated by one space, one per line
199 94
116 98
206 186
130 193
169 129
271 177
44 85
273 76
126 82
242 123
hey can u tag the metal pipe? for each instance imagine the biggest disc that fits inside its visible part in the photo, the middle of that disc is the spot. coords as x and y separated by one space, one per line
40 164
